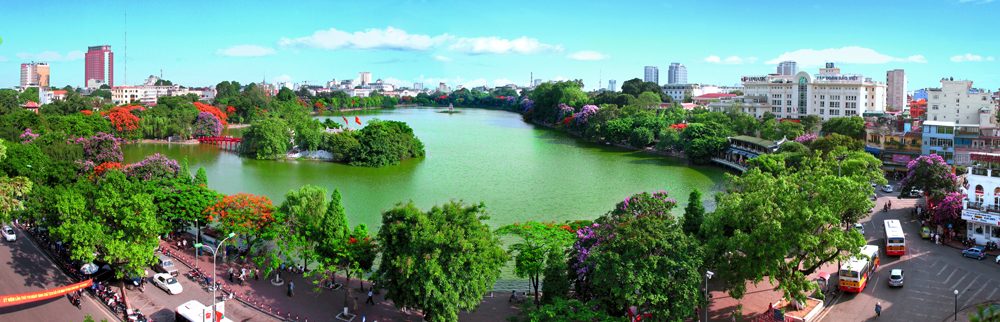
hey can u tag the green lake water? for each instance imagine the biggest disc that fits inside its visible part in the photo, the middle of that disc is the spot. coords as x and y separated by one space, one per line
521 171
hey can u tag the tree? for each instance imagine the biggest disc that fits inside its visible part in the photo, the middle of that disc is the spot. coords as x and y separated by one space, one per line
851 126
308 139
184 174
641 137
114 222
182 203
286 94
250 217
737 92
266 139
694 213
207 125
563 310
201 178
537 241
810 123
439 261
786 225
30 94
12 190
704 141
154 167
556 282
306 210
928 173
384 143
648 100
833 141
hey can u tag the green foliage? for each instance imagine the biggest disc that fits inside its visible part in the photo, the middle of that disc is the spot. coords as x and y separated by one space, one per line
201 178
286 94
306 210
30 94
787 222
181 203
833 141
440 261
537 240
384 143
184 174
555 285
268 138
308 139
694 213
548 96
789 130
641 137
704 141
339 144
562 310
850 126
810 123
985 313
12 190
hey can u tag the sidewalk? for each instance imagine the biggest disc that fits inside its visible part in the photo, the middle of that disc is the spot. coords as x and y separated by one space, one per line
323 305
757 298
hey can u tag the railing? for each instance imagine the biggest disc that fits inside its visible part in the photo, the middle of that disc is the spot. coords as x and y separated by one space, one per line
979 205
734 165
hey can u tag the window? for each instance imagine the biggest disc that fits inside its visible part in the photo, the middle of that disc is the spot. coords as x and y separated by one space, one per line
851 98
934 107
834 112
820 111
852 105
935 97
835 104
788 96
775 95
788 110
788 102
835 97
822 97
775 102
945 130
821 104
775 110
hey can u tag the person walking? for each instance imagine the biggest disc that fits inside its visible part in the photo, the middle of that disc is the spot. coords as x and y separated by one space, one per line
878 309
369 300
184 242
256 274
291 289
355 306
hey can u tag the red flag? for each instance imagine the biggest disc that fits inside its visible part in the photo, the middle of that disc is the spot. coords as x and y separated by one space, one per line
346 122
356 119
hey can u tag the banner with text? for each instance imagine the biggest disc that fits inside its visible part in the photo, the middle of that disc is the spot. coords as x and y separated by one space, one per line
15 299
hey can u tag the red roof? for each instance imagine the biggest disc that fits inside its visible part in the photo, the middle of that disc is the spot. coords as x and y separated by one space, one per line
913 134
59 92
31 104
716 95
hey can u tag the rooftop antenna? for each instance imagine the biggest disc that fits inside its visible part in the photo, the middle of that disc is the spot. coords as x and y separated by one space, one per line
125 56
599 81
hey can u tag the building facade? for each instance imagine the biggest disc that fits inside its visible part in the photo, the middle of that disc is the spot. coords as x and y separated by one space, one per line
981 200
677 91
895 82
677 73
956 101
124 94
35 74
827 94
788 68
418 86
612 85
920 94
100 65
365 78
651 74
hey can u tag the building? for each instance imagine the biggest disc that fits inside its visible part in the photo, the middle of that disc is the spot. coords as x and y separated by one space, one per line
612 85
100 65
358 92
918 109
788 68
382 86
443 87
124 94
920 94
743 148
895 93
705 99
677 91
366 78
652 74
333 84
46 96
347 83
956 101
826 94
536 82
35 74
981 199
752 105
418 86
677 73
730 89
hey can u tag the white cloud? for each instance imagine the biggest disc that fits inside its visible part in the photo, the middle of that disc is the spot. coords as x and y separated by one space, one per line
442 58
560 78
282 78
731 60
971 57
3 59
504 82
245 51
494 45
588 55
976 1
51 56
477 82
397 82
850 55
388 39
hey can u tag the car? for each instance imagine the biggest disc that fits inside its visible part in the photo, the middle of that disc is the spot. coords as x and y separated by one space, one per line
8 233
916 193
896 277
925 232
887 188
168 283
860 227
165 264
974 252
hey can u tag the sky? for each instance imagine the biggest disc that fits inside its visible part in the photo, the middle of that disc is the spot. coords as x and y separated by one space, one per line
490 43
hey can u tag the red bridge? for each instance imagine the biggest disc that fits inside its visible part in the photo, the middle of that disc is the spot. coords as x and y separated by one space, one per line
223 142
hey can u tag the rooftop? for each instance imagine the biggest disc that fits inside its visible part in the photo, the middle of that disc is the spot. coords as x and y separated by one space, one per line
716 95
754 140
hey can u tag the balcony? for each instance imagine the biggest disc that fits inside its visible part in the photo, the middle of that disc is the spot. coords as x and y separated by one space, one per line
987 208
983 171
734 165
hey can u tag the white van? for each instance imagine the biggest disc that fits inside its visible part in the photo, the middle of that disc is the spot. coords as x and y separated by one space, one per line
194 311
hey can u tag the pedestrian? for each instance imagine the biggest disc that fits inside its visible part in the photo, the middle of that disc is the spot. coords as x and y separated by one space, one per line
355 306
513 296
256 274
878 309
184 243
369 300
231 276
291 289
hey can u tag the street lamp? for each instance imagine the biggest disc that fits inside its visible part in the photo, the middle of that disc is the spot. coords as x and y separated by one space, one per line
215 259
708 275
840 161
956 306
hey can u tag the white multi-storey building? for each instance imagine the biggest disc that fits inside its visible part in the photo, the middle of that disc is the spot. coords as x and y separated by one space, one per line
895 97
651 74
333 84
612 85
677 73
981 202
788 68
827 94
366 78
956 101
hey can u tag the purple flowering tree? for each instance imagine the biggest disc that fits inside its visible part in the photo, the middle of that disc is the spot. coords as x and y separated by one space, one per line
27 137
806 138
947 210
929 173
98 149
207 125
154 167
527 104
565 111
585 113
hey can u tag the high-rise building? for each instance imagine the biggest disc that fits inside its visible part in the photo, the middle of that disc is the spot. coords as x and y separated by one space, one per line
652 74
895 96
35 74
536 82
611 85
827 94
418 86
100 65
366 78
788 68
957 101
677 73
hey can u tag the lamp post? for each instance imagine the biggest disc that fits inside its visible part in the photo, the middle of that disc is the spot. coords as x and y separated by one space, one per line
708 275
215 259
956 306
840 161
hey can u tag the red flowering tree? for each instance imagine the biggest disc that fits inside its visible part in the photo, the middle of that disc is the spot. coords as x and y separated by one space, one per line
103 168
86 112
124 121
214 110
252 218
537 240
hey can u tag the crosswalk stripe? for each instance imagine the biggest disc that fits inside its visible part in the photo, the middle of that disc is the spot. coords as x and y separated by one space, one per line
942 269
991 294
953 287
949 277
974 295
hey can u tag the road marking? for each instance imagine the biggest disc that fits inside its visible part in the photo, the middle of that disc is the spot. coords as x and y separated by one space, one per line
960 281
930 293
942 269
974 295
949 277
991 295
876 285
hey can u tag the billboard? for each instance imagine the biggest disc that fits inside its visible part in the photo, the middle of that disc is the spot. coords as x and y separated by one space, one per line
900 158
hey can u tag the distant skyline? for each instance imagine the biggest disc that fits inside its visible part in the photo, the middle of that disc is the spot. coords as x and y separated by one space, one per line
473 43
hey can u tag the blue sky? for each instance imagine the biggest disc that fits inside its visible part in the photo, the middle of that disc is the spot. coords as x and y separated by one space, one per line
200 43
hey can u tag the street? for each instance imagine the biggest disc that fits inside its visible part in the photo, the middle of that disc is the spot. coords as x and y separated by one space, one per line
26 270
932 274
